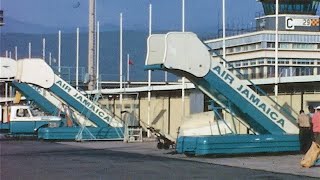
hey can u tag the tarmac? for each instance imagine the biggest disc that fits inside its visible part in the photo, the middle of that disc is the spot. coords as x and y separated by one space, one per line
278 163
33 159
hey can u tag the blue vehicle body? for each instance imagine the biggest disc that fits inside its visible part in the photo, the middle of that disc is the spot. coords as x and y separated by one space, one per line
18 119
237 144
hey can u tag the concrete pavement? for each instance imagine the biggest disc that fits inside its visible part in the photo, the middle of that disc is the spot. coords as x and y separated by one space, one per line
289 164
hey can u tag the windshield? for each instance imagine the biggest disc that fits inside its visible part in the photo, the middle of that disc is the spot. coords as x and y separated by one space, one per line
36 112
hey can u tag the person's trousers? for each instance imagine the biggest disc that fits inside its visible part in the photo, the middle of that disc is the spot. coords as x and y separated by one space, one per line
305 138
317 137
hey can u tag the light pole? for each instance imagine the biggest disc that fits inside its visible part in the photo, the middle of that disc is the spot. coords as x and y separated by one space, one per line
44 49
59 52
120 59
16 52
224 31
29 45
98 54
276 76
77 60
183 78
149 74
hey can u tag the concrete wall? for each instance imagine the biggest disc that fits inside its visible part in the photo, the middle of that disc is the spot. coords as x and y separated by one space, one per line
293 103
165 111
296 102
166 108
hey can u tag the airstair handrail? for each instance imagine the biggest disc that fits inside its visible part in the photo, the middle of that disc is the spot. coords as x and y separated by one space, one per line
257 88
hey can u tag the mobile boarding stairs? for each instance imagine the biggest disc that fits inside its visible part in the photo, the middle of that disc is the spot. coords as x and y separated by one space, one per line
35 79
274 129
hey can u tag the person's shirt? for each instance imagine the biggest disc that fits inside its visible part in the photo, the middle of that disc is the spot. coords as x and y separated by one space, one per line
310 115
316 122
303 120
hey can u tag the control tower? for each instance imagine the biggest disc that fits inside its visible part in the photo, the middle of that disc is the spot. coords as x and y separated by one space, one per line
294 15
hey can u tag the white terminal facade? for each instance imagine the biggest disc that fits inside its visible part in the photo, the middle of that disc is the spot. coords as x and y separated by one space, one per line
253 54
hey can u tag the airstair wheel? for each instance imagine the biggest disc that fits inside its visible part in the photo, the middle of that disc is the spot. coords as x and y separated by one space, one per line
132 138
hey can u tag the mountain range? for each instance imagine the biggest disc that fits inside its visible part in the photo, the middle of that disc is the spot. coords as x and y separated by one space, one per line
16 26
20 34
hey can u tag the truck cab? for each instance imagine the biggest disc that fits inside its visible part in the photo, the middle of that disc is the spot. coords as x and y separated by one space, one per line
19 119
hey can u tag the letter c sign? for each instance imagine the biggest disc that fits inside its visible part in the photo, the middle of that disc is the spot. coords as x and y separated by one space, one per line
289 23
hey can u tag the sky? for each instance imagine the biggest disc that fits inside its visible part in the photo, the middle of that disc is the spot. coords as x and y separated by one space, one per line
166 13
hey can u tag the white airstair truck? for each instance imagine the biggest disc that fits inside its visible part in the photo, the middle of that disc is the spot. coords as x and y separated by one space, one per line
35 79
19 120
273 128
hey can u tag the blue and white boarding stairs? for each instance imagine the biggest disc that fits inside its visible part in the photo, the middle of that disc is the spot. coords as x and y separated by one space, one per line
185 55
35 79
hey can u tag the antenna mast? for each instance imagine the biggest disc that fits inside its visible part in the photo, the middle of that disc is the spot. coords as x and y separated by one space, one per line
91 45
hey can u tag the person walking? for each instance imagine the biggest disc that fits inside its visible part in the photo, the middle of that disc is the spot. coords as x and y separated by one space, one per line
311 111
316 125
305 135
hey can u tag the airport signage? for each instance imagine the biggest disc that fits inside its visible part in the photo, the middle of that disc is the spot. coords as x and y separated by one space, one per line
250 96
38 89
292 22
83 100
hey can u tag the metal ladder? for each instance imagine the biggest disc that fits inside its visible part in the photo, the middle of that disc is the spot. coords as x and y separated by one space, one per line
83 128
132 133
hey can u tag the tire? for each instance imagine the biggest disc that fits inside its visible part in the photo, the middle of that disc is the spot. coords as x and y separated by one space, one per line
166 146
43 126
189 154
160 145
131 139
